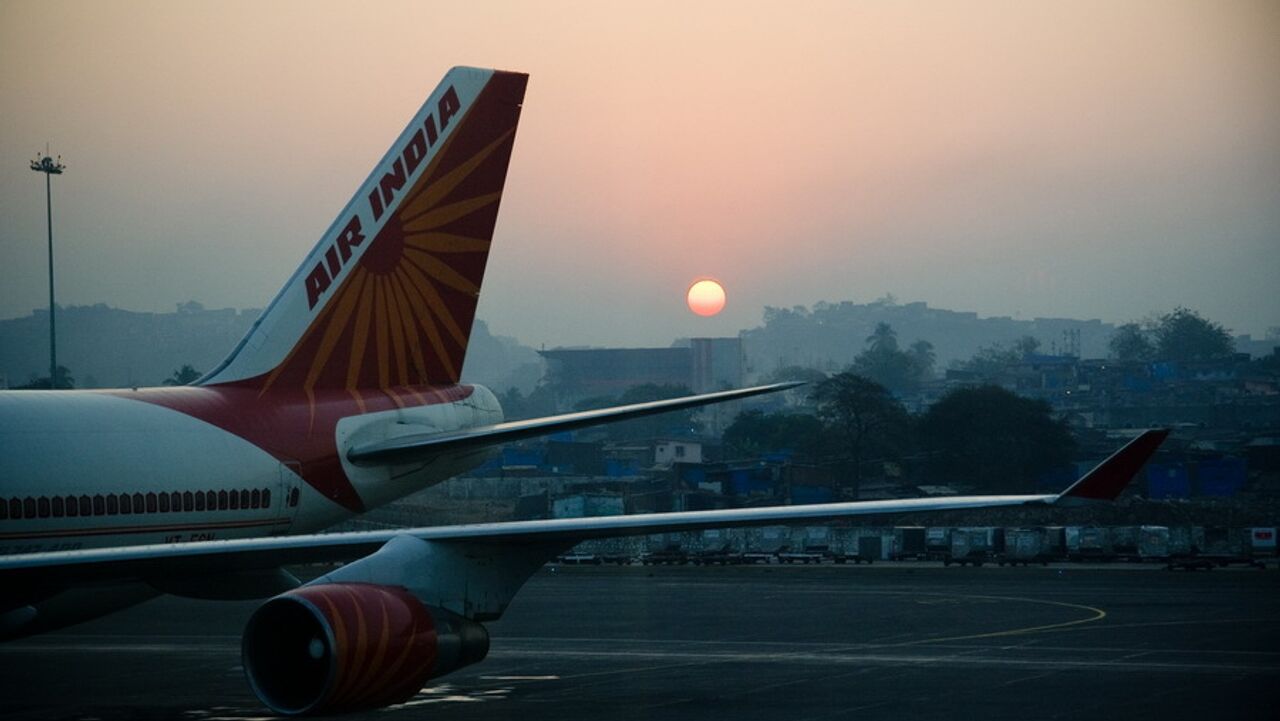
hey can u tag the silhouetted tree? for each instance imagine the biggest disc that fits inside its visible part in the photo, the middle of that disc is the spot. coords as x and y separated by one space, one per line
65 381
884 363
184 376
754 432
883 339
1130 343
1184 335
796 373
923 358
993 439
864 419
516 406
1025 346
675 423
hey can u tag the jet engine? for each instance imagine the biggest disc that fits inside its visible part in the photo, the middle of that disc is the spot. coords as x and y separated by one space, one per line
338 647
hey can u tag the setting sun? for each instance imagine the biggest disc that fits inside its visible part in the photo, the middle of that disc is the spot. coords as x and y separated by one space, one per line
706 297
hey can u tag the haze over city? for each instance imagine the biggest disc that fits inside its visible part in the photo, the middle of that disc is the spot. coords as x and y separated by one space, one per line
1088 160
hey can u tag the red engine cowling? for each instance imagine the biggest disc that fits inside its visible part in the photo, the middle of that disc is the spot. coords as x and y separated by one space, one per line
350 646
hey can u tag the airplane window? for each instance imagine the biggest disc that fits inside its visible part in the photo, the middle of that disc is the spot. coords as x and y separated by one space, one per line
293 498
244 498
85 508
199 500
99 505
235 501
188 502
113 505
255 501
72 508
28 508
151 503
266 498
175 500
43 504
213 500
15 508
4 510
164 502
137 503
58 508
126 503
222 500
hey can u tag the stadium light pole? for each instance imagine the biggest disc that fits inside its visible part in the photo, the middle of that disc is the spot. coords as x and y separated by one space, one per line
49 166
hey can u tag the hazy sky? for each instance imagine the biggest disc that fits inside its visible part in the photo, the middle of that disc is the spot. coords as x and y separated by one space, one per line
1093 160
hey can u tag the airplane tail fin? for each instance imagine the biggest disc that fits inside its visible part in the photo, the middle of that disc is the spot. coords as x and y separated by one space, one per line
388 295
1109 478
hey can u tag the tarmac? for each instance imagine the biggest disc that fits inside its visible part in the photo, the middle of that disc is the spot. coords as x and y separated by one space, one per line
887 641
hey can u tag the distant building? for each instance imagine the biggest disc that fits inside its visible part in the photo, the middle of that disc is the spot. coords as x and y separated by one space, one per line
717 364
706 364
667 452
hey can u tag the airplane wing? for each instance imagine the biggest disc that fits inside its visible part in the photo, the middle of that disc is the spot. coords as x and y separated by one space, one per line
419 447
1104 482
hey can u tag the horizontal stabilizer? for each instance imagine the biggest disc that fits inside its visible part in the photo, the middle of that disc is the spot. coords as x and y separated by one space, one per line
413 448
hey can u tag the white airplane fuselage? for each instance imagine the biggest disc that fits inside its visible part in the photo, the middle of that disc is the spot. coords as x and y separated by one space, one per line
91 469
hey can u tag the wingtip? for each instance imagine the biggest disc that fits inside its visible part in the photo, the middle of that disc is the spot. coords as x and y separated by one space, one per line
1109 478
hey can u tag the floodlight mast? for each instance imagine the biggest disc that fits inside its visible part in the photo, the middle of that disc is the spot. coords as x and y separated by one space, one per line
47 165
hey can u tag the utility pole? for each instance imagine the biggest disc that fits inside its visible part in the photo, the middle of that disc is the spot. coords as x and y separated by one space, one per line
49 166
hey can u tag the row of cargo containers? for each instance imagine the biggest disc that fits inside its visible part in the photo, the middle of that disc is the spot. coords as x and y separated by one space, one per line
956 545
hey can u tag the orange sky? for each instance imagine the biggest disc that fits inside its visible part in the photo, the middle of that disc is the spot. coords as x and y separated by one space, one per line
1069 159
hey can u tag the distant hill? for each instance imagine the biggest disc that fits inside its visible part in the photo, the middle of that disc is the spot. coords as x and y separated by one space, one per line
829 335
107 347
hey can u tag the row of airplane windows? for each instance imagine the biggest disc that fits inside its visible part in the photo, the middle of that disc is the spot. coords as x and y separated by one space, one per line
124 503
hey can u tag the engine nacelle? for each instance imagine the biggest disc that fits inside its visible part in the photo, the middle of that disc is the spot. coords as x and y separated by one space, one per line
349 646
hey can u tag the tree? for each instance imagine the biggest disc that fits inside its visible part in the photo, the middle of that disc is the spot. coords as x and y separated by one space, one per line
1184 335
923 359
754 432
184 376
1026 345
65 381
884 363
993 439
673 423
517 406
1130 344
991 360
883 339
796 373
863 417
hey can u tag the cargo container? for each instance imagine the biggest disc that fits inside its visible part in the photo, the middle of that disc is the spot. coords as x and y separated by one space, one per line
1262 541
1186 541
582 505
910 542
1055 542
1088 543
1153 543
1023 546
937 542
882 548
972 546
1124 542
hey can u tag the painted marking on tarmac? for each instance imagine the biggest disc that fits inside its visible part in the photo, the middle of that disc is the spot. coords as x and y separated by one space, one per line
960 658
1097 615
